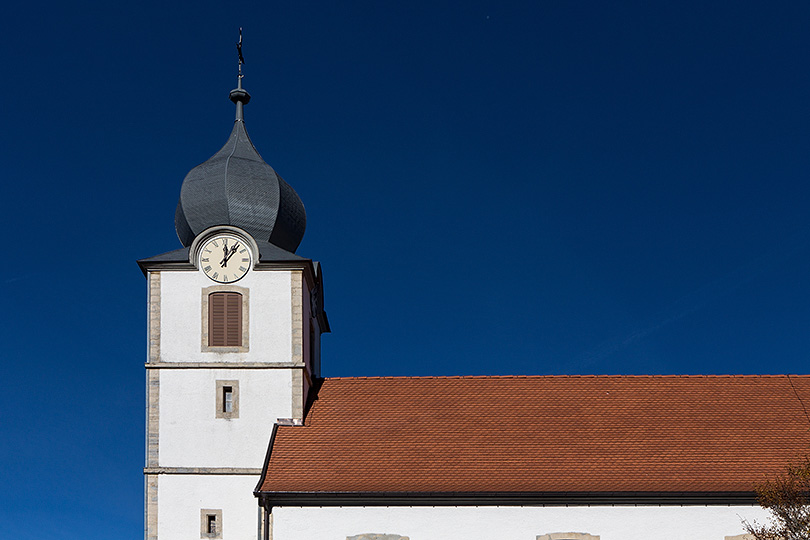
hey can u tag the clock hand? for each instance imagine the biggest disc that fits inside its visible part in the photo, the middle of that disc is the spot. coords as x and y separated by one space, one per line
224 262
228 254
232 251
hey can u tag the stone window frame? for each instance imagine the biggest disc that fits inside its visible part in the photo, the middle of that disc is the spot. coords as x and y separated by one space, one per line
220 399
204 513
206 292
567 536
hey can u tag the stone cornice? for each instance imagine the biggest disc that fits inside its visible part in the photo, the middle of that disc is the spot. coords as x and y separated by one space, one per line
244 471
225 365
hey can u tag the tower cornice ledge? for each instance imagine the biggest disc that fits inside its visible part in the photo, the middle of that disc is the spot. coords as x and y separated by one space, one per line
247 471
225 365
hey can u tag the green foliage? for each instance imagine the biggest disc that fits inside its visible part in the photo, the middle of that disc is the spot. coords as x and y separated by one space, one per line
787 498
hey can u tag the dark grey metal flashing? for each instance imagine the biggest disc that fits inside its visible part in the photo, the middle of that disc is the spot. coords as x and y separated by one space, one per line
236 187
256 490
268 253
178 255
177 259
313 395
272 253
320 311
620 498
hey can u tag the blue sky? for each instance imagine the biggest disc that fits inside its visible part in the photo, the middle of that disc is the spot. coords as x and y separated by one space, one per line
491 187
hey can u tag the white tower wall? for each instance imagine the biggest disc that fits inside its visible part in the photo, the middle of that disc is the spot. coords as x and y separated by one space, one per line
200 461
192 436
184 496
270 317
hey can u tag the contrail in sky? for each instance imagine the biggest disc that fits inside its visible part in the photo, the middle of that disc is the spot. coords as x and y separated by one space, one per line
701 297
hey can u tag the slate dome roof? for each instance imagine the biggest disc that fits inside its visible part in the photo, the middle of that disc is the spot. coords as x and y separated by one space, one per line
236 187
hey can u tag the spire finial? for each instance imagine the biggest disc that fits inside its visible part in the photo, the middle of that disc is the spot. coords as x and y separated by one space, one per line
239 95
241 58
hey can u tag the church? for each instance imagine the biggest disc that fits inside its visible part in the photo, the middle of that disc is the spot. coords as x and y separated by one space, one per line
245 440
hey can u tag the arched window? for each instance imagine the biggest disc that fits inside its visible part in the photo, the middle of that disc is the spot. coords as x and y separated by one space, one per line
225 319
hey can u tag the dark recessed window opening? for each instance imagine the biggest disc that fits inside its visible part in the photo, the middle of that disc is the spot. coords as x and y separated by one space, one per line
227 399
212 524
225 319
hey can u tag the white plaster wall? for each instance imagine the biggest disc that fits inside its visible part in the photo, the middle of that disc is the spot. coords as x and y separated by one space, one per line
181 497
270 317
192 436
514 523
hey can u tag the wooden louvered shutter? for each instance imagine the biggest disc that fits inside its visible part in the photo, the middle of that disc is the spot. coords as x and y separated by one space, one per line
225 319
233 319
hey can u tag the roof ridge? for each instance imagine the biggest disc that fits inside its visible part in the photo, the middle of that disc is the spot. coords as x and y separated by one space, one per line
582 376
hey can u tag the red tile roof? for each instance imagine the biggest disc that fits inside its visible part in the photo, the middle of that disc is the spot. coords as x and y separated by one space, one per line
551 434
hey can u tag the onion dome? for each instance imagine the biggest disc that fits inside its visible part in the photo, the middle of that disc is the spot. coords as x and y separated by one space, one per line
236 187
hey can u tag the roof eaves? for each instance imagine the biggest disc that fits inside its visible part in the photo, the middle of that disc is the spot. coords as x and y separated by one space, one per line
177 258
286 498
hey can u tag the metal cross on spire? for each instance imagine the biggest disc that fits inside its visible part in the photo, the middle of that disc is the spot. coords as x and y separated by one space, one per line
239 52
239 95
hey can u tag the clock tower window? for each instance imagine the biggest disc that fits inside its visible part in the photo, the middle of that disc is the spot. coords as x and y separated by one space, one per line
210 523
227 399
225 319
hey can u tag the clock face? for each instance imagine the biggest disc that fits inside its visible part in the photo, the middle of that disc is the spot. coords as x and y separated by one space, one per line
225 258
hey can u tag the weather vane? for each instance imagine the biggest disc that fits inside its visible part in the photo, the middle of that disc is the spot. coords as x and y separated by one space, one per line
239 51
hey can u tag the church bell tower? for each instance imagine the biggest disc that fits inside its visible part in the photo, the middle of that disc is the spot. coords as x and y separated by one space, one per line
235 319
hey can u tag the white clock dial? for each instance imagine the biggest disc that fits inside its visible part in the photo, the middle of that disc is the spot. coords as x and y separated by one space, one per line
225 258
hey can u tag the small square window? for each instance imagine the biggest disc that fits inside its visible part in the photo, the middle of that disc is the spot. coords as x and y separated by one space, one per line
210 523
227 399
